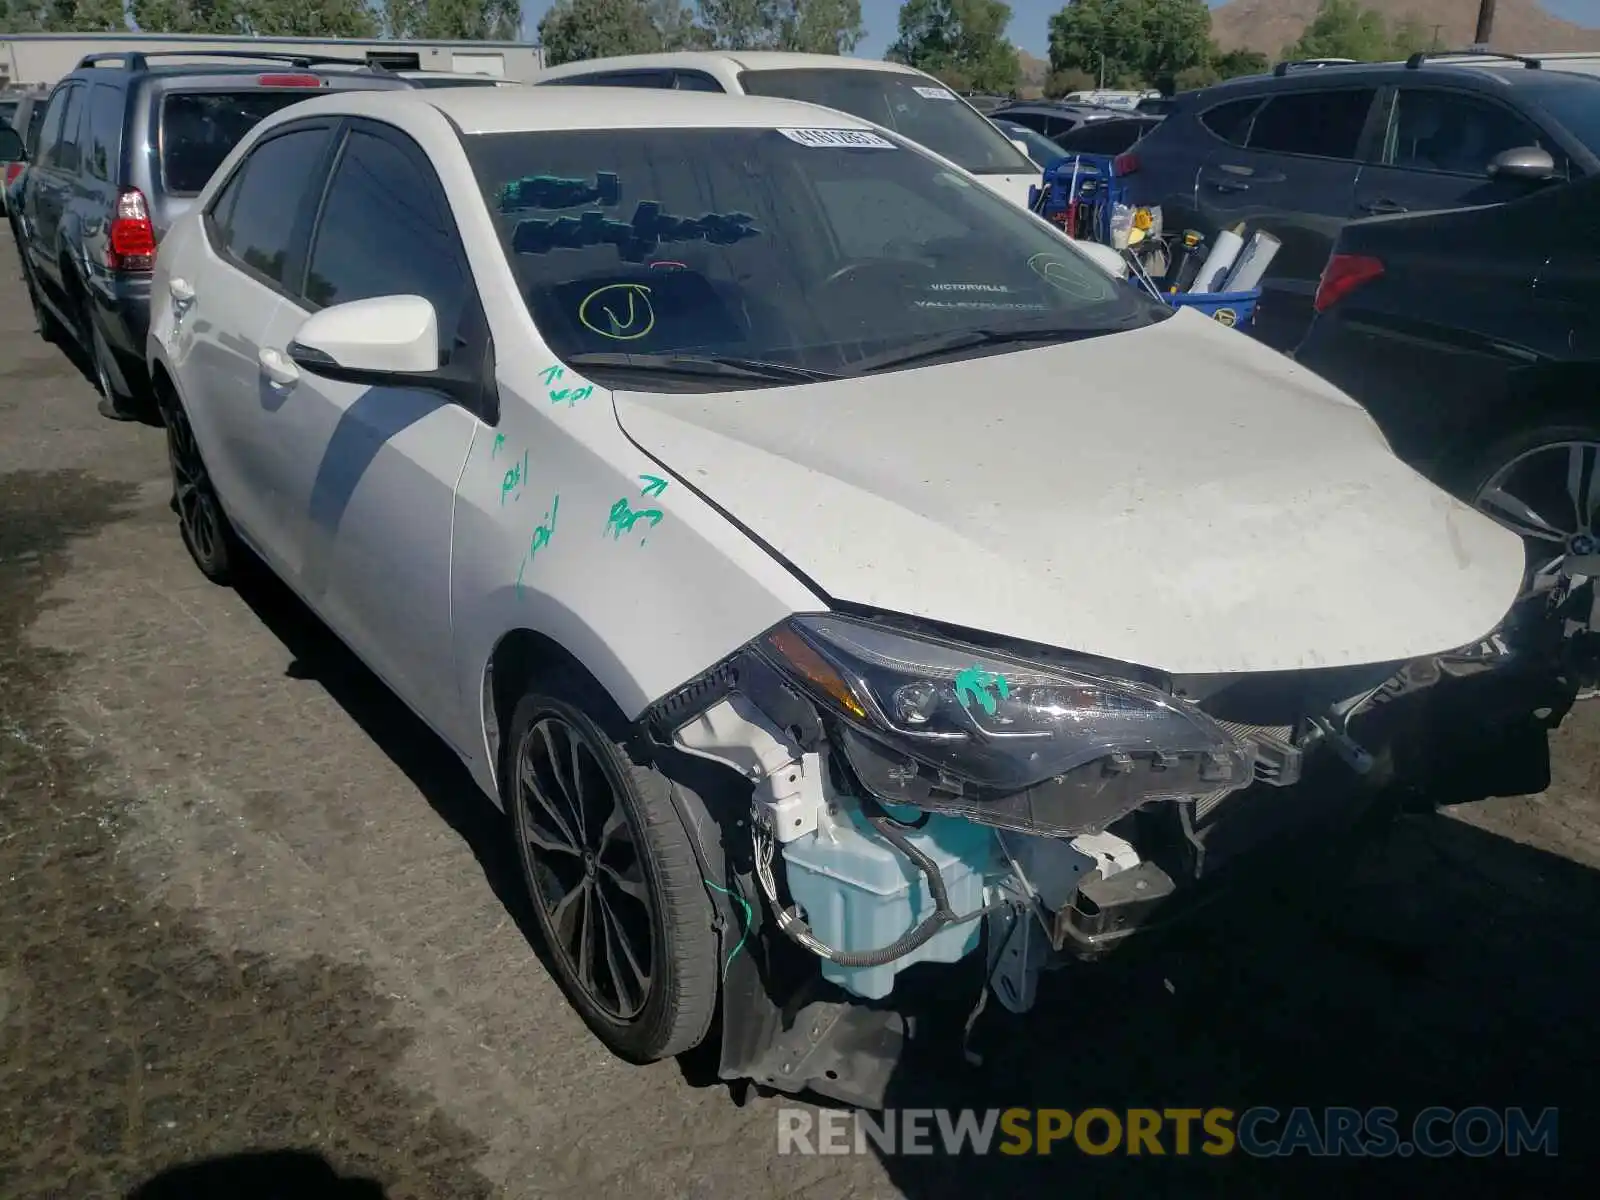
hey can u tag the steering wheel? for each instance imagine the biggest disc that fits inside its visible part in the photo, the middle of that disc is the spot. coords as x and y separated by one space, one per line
893 269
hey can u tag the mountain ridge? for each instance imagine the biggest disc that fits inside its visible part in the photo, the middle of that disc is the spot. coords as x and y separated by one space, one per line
1520 25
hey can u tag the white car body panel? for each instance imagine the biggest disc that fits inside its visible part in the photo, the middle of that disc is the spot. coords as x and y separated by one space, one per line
1177 497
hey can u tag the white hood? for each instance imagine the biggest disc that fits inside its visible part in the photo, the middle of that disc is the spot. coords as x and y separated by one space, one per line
1177 496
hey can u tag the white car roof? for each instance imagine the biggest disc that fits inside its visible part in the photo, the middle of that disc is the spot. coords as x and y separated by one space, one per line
522 110
737 60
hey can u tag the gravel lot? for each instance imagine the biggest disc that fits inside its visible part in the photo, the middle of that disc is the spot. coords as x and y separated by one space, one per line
251 905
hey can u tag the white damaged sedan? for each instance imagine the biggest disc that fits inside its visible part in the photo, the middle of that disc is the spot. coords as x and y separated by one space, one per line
827 566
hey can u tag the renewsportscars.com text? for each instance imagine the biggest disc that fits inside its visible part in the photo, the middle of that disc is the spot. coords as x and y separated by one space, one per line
1260 1132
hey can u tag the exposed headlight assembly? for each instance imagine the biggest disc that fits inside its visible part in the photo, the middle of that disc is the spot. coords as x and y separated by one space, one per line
1043 749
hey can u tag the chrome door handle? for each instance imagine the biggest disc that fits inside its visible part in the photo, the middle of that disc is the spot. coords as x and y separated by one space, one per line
277 368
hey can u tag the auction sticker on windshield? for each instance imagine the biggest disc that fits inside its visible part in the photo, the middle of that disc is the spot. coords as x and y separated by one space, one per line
850 139
928 93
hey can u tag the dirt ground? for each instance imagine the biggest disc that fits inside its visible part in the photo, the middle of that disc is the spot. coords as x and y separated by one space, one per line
251 905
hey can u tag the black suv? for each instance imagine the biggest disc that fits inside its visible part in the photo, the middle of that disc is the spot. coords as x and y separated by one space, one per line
1301 151
1473 338
125 145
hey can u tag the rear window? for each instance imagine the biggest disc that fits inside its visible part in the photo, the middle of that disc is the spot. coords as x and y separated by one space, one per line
200 129
422 81
815 249
919 108
8 110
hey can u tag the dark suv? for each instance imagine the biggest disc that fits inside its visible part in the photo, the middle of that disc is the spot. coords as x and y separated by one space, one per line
125 145
1300 152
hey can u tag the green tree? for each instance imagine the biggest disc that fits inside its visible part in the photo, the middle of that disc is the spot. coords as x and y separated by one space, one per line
579 29
496 20
1065 82
677 27
1233 63
802 26
62 16
1131 42
1344 29
961 41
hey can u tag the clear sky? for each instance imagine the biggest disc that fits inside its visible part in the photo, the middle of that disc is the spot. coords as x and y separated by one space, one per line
1030 20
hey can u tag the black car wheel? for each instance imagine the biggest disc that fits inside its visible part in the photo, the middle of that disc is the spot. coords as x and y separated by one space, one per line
616 888
1544 484
204 526
44 320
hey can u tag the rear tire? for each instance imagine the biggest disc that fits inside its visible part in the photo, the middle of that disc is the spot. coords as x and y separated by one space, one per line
616 886
44 321
207 533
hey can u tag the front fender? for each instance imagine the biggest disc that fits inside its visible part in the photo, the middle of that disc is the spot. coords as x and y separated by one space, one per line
565 528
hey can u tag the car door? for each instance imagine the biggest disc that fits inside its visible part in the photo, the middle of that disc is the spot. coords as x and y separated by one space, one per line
1569 279
256 227
48 188
1434 152
368 474
1289 170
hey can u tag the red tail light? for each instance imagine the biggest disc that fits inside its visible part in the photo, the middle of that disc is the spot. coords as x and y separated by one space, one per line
288 81
12 171
133 237
1343 275
1125 164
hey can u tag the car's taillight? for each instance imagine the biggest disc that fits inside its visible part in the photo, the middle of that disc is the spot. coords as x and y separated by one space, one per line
1125 164
133 238
288 81
1343 275
12 171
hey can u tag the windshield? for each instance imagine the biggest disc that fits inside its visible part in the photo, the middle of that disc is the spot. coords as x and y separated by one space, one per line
200 129
1574 101
1040 148
830 251
914 105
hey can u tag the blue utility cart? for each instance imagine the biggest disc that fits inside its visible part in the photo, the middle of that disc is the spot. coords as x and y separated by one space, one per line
1079 195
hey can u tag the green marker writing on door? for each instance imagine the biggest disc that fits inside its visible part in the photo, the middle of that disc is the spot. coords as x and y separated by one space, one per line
541 539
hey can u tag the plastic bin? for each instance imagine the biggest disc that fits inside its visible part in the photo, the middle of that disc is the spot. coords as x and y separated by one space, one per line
1237 310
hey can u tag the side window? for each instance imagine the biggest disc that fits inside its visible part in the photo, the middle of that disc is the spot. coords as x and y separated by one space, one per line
1324 124
695 81
868 216
50 131
105 132
385 230
1444 131
262 201
1231 121
69 154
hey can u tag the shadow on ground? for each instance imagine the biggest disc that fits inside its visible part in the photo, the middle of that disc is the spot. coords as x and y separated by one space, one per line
1436 965
130 1039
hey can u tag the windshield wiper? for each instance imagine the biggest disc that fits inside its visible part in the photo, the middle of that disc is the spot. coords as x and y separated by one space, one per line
966 339
717 365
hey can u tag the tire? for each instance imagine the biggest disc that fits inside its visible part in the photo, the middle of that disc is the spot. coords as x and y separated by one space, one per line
115 404
1553 468
206 531
45 323
566 712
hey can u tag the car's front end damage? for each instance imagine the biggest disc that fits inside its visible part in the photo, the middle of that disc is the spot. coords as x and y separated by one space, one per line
892 795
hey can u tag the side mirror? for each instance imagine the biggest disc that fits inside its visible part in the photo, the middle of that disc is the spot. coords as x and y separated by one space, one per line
11 147
1523 162
385 341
